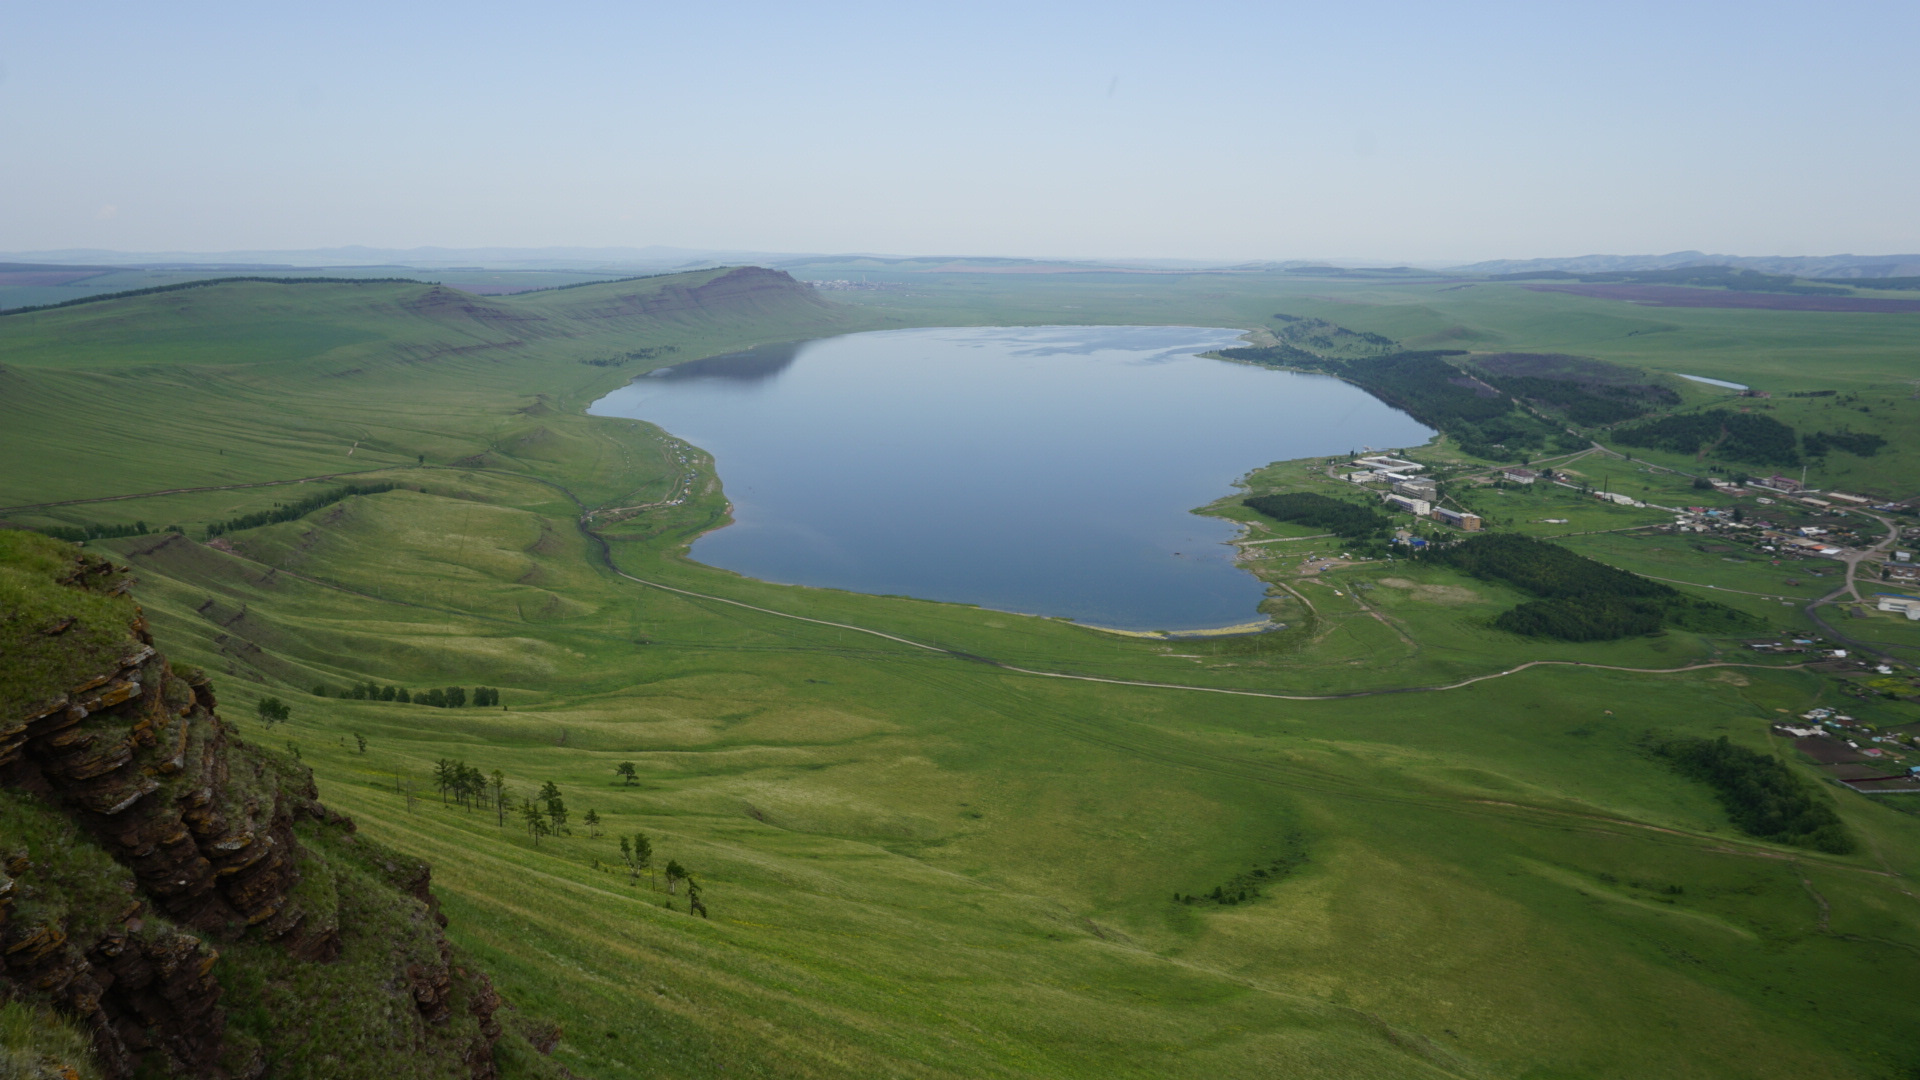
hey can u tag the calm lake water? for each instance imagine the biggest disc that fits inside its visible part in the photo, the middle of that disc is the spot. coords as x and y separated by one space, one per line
1045 470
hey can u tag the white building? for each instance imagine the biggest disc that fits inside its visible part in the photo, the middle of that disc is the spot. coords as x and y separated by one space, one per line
1415 488
1416 507
1901 605
1384 463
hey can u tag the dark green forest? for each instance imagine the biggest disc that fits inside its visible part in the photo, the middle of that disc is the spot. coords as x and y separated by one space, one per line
1862 443
1761 794
1746 437
1586 403
1485 422
80 534
1344 519
293 511
1581 599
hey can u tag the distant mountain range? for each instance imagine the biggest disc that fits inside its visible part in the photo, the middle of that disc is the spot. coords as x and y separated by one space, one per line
1805 266
656 257
660 257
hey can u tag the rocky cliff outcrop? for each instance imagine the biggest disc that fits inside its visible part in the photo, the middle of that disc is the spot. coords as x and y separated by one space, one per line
140 838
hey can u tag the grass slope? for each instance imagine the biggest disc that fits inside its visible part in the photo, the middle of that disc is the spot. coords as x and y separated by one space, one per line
921 865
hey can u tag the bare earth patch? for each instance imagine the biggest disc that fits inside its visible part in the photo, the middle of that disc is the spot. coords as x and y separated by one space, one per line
1433 594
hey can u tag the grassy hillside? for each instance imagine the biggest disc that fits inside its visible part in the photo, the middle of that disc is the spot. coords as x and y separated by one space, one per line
916 863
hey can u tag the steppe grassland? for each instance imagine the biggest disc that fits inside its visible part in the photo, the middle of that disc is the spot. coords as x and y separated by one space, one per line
1488 866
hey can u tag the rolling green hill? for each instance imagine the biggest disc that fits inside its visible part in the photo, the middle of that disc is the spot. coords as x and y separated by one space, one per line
917 863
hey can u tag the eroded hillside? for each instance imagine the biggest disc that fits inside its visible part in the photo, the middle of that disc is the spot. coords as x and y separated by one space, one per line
179 891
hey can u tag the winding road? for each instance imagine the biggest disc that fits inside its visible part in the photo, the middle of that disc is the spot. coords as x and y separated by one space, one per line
1850 587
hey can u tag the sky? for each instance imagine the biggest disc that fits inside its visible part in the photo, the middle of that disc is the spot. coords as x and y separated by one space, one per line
1429 132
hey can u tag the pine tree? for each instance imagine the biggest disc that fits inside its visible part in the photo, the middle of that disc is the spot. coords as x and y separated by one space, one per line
536 821
592 822
643 854
362 740
499 785
443 778
400 695
471 784
626 772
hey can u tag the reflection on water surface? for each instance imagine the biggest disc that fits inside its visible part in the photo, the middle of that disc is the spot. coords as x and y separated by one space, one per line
1047 470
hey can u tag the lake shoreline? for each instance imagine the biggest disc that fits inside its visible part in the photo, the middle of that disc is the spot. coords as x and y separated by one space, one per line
1043 471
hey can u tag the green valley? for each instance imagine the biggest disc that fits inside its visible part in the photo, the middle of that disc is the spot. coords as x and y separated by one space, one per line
1391 838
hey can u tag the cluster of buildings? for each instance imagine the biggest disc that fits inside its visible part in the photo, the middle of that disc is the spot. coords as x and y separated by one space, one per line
1834 724
1800 493
1408 491
1900 569
1807 540
1379 468
844 285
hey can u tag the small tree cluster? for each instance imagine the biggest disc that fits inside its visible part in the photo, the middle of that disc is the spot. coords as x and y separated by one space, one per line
444 697
676 874
535 821
465 784
369 691
638 855
272 711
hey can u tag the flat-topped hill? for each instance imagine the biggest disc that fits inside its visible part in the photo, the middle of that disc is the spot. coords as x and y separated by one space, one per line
259 321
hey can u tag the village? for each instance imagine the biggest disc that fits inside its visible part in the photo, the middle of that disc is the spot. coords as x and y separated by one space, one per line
1856 753
1775 520
1812 524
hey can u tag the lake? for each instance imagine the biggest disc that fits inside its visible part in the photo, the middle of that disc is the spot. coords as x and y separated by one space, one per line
1046 470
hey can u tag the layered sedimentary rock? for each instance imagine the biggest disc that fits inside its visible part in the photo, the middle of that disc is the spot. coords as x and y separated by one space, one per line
201 838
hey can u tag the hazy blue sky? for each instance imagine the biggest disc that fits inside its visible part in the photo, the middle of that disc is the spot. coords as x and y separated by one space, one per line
1432 131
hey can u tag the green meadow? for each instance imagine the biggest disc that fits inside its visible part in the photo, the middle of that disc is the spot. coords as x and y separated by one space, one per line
917 860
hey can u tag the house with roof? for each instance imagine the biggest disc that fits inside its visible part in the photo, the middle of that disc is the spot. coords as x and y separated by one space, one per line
1459 519
1899 605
